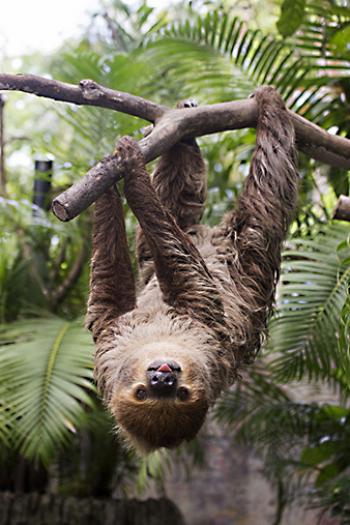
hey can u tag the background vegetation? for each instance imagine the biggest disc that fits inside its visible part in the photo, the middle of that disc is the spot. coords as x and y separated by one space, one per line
293 405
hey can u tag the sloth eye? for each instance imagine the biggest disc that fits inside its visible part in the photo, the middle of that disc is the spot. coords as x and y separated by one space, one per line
183 393
141 394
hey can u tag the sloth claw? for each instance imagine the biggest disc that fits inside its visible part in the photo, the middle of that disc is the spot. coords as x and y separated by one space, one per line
128 153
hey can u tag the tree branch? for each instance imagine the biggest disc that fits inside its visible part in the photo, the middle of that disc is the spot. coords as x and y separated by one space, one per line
62 290
171 126
342 210
87 93
179 124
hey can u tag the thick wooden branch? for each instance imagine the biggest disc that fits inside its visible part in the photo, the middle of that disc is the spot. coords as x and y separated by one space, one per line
178 124
342 210
171 126
87 93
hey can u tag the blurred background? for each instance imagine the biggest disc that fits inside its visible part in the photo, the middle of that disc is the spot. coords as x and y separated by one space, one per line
276 448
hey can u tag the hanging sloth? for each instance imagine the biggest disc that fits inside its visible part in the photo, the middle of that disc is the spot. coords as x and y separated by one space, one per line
164 355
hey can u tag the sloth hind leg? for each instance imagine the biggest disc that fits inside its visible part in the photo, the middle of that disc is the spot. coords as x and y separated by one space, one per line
180 182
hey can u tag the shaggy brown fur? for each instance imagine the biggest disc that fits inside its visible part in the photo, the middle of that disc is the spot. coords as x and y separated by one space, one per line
207 292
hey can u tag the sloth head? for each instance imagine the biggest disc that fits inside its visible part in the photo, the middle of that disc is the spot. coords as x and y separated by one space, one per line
161 401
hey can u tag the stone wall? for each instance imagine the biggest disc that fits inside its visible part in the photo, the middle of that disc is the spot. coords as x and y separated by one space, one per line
231 488
44 509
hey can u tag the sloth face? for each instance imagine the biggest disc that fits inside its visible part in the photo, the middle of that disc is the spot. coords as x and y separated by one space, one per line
164 403
163 381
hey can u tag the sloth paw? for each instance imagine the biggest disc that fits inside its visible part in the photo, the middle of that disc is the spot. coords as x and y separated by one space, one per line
129 154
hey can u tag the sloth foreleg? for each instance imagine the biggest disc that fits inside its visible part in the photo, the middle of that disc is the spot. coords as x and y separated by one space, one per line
184 279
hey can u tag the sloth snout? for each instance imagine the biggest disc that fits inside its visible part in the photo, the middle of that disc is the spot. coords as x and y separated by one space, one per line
164 365
162 384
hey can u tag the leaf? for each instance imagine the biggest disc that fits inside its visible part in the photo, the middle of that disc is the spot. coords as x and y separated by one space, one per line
230 60
340 40
313 456
304 332
335 412
327 473
47 381
291 17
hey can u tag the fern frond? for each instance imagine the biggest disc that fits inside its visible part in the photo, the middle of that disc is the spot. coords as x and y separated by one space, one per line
314 286
46 382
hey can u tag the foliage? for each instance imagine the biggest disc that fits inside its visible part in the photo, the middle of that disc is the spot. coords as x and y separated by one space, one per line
231 59
203 51
305 330
41 261
46 377
292 14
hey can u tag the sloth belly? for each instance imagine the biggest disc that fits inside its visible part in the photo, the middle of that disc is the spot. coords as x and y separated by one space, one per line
218 252
215 250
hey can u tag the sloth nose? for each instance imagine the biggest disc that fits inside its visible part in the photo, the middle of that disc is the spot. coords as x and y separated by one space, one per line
162 383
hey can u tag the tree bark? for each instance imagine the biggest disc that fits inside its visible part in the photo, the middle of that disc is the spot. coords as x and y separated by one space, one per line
171 126
87 93
178 124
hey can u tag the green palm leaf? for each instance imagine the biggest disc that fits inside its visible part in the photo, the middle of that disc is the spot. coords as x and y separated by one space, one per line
46 382
245 406
226 56
90 133
314 286
230 60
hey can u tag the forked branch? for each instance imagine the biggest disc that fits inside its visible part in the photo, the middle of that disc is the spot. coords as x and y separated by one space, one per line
170 126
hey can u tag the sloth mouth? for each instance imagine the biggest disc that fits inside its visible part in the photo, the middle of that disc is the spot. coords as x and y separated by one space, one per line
157 365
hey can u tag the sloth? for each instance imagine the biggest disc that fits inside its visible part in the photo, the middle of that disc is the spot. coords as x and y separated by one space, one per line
166 350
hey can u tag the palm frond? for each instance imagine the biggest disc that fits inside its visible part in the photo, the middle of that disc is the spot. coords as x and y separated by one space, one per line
344 343
90 133
230 60
263 414
322 21
305 330
228 57
257 407
46 380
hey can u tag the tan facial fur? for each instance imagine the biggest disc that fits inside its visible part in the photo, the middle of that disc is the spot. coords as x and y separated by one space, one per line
152 422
